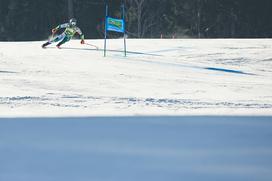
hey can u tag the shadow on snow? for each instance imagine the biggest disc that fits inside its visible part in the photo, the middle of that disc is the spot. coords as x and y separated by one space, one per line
151 54
7 72
102 50
228 71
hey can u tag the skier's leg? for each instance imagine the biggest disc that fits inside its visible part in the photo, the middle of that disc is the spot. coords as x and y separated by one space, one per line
56 39
45 44
65 39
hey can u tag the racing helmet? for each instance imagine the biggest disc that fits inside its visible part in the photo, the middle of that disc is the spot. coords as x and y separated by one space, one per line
73 21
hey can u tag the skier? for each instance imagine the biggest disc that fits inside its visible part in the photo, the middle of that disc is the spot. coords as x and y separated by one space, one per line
70 30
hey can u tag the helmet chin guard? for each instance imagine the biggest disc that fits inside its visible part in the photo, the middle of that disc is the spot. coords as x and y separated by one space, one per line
73 22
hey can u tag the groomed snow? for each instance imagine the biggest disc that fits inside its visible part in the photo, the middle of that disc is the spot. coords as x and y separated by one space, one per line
158 77
136 149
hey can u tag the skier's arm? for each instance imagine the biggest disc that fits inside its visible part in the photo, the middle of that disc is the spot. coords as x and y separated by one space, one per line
65 25
81 35
82 39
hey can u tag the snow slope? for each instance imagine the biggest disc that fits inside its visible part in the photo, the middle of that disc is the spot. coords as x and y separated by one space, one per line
158 77
136 148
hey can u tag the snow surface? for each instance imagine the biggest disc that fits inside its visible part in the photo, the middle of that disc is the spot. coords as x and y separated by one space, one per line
158 77
136 149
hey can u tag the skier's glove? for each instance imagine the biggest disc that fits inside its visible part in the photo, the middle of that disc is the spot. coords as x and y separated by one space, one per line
82 42
54 30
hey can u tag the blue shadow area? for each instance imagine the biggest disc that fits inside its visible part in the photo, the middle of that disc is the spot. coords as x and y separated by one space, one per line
7 72
168 50
136 148
102 50
228 70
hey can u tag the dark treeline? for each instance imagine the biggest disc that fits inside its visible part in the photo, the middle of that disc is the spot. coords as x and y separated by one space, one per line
33 19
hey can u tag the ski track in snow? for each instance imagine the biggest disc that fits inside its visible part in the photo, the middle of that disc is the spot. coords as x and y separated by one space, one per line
162 76
91 102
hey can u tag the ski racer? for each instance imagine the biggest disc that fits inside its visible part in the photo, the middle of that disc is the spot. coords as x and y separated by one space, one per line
70 30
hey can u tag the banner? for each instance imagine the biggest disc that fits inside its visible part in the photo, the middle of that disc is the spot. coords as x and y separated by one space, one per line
117 25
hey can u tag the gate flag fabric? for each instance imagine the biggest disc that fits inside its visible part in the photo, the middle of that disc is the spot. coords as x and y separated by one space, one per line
117 25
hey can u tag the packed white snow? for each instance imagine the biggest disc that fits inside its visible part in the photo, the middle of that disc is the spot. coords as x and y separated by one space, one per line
135 148
158 77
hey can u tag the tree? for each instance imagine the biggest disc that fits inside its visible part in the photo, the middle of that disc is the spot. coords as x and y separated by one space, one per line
143 16
33 20
136 9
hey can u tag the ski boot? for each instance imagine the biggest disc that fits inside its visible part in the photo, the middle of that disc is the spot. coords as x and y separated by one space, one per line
59 44
45 44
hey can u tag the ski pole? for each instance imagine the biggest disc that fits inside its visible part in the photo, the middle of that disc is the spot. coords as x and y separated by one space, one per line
91 45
